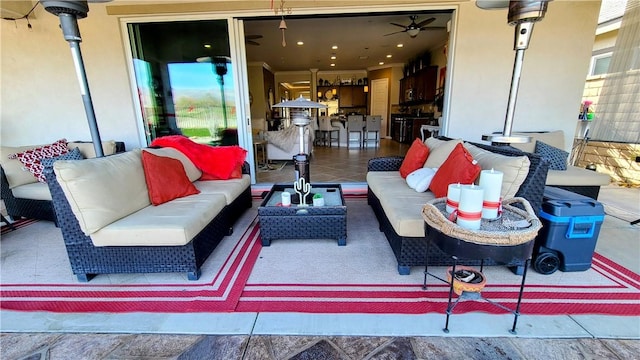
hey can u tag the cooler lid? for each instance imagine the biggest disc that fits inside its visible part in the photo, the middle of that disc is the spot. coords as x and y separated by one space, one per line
571 208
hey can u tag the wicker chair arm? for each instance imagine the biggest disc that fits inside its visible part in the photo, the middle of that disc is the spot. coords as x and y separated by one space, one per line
388 163
7 194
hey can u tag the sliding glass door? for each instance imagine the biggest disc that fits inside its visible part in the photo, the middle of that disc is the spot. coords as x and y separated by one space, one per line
185 80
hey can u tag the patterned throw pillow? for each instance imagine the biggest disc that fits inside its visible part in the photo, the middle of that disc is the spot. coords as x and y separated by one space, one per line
31 159
557 158
74 154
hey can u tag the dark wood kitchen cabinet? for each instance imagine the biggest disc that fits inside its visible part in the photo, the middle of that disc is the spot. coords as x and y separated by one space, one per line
352 96
419 88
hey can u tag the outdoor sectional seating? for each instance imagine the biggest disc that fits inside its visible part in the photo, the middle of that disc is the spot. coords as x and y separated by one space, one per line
23 195
398 207
175 236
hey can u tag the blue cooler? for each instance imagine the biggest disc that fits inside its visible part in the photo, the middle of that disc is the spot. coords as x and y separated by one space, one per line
570 227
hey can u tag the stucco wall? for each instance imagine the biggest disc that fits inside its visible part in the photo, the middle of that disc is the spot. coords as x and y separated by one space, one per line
552 78
41 102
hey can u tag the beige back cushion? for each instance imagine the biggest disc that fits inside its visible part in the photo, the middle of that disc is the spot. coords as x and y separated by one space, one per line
88 151
439 151
514 168
103 190
553 138
193 173
13 168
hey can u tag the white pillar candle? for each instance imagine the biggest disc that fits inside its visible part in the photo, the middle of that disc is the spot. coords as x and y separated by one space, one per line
491 182
286 198
453 197
470 207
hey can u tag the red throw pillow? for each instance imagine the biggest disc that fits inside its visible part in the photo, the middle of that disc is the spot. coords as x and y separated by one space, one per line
458 168
415 158
166 178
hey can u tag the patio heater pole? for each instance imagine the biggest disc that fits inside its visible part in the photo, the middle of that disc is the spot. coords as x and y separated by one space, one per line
300 119
68 12
523 14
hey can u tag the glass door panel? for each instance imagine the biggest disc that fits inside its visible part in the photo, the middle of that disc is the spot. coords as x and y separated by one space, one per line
185 81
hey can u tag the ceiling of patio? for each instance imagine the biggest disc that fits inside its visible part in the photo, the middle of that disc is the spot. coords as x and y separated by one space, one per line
360 39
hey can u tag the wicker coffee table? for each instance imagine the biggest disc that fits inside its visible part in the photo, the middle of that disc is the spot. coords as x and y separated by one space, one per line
304 222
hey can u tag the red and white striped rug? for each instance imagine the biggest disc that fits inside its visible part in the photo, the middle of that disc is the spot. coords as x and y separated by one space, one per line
314 276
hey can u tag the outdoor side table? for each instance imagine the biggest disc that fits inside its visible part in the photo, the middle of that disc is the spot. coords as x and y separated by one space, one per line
304 222
505 240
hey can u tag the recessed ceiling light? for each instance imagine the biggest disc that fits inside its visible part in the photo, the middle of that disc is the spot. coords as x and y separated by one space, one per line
381 63
399 45
334 47
389 56
207 46
333 57
332 64
300 43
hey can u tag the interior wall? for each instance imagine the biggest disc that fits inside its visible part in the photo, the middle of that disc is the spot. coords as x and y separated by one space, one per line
255 77
41 102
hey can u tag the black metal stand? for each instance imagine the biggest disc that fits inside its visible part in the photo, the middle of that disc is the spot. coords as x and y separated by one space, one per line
460 248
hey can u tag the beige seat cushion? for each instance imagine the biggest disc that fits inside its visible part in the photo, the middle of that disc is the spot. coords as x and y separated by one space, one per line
514 168
193 173
575 176
13 168
88 150
401 204
553 138
231 188
103 190
174 223
33 191
439 151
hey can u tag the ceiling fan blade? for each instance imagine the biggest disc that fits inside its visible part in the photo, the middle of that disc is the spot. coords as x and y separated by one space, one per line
402 26
425 22
251 42
253 37
397 32
433 28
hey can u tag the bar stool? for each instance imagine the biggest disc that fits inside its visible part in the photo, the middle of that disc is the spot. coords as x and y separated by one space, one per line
326 130
372 125
355 124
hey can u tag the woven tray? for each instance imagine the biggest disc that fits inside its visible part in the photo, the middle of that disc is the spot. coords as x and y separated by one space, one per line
491 232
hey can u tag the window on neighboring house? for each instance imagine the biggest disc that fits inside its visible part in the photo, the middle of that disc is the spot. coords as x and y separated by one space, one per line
600 64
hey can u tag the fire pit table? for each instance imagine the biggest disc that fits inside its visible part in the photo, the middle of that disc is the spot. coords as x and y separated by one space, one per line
508 239
328 221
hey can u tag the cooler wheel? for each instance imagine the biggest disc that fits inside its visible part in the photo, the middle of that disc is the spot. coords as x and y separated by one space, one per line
547 263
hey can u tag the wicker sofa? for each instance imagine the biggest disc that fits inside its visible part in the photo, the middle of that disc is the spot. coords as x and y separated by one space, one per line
398 207
578 180
23 195
176 236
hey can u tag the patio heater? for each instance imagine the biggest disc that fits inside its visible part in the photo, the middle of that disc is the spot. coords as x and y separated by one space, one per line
69 12
523 14
219 64
300 118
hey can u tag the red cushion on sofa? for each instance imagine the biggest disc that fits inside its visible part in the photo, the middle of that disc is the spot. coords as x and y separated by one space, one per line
415 158
166 178
458 168
215 162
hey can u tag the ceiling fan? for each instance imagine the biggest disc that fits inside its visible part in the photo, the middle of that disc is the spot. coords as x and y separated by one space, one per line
249 39
413 28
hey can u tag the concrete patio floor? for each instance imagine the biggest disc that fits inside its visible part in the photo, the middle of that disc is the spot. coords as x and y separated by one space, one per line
43 335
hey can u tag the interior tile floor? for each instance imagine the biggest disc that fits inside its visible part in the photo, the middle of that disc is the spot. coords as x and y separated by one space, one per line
333 164
276 336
